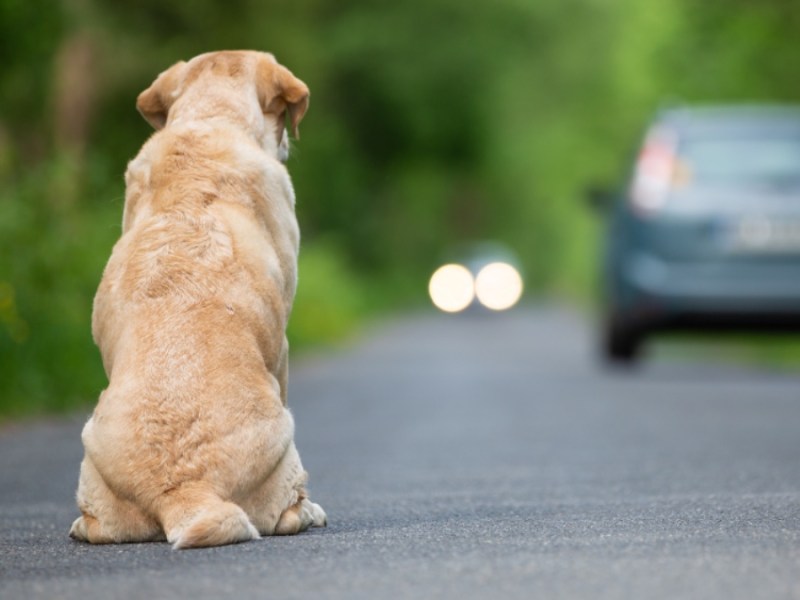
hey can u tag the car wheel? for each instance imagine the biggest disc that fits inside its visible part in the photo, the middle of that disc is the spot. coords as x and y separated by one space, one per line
622 343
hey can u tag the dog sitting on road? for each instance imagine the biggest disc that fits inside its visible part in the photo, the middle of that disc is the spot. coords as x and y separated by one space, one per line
192 441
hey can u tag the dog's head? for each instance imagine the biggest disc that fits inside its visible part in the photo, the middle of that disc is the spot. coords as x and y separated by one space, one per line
245 85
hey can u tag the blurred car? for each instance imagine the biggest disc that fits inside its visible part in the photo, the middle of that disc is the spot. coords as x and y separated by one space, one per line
706 233
486 275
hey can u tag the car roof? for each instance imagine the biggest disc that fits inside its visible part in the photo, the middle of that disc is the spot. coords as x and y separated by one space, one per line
701 121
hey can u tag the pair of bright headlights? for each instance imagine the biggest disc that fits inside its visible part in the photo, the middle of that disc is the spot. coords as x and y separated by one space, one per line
497 286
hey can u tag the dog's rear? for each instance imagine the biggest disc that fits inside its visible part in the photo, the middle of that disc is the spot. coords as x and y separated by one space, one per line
192 441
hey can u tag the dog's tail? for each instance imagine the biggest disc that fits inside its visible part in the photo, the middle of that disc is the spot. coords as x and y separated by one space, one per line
216 525
198 519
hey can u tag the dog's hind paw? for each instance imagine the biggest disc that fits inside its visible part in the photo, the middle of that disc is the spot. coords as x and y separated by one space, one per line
318 516
78 530
300 517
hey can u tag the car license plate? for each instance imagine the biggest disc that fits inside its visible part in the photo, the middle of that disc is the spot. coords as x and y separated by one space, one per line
762 234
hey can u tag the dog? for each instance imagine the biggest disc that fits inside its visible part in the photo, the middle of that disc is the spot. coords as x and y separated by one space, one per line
192 441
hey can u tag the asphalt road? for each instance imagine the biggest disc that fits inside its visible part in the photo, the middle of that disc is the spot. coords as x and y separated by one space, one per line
471 457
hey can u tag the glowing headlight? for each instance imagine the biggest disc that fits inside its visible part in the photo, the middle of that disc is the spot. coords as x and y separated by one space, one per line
451 288
498 286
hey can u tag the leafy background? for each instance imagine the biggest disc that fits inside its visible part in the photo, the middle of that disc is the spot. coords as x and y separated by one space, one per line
432 123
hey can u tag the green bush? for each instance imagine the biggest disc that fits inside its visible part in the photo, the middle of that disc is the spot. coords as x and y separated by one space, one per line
330 298
51 259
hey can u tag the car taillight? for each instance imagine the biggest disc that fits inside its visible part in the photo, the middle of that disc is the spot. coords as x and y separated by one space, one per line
655 169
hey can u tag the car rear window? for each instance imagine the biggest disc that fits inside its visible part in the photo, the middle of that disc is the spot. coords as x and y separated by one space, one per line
771 161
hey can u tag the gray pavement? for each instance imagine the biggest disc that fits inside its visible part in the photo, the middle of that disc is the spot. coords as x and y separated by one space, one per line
475 456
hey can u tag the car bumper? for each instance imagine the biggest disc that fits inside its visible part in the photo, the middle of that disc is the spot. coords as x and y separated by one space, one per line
756 294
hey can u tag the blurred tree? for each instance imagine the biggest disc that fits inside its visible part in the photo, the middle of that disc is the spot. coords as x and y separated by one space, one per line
737 50
30 32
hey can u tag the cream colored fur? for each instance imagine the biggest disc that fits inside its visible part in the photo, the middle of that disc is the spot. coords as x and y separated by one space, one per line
192 441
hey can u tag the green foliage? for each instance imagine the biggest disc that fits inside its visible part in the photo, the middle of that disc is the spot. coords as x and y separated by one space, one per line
51 258
329 301
432 123
29 35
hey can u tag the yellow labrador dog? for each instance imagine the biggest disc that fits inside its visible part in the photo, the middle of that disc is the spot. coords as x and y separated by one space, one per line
192 440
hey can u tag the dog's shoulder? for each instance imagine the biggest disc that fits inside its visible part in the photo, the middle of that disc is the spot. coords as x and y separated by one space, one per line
196 192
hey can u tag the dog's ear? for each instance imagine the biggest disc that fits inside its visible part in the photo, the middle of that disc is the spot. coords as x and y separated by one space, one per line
154 103
280 92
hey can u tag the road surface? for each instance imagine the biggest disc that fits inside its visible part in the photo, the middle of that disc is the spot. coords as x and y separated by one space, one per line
477 456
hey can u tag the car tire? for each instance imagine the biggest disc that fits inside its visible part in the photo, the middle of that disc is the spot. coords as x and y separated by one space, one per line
622 341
